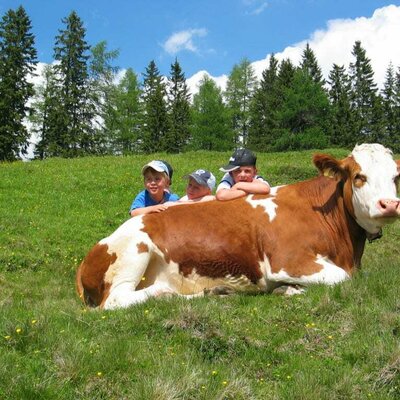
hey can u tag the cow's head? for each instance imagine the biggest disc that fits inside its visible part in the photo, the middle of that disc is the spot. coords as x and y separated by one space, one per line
371 179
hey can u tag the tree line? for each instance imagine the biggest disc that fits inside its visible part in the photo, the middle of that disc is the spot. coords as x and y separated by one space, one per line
86 105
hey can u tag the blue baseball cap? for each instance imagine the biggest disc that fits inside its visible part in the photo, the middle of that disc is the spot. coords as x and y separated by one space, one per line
203 177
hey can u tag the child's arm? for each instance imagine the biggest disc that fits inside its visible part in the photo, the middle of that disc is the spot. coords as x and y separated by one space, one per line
147 210
242 189
230 194
255 187
199 200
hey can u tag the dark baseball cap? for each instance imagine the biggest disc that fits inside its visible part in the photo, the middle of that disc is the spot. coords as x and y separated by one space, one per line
240 158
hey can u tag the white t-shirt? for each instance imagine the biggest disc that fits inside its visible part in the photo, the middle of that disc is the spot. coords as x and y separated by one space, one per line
227 181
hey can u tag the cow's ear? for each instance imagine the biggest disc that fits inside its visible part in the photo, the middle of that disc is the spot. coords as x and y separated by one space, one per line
398 166
329 166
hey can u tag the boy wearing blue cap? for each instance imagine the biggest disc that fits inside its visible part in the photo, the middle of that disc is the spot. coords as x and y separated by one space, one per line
241 177
200 185
157 178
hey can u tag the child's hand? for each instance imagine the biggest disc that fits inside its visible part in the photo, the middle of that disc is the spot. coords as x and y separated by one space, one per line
159 207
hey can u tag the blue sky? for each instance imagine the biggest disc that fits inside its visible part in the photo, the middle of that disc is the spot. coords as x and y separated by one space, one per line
208 35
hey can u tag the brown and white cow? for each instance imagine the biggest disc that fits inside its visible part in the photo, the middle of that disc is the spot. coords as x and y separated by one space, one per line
309 232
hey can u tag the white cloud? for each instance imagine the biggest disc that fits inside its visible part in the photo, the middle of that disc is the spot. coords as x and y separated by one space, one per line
183 40
334 44
257 6
194 81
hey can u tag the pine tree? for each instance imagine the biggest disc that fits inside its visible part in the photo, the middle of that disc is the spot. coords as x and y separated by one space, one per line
179 111
17 62
263 110
71 52
304 115
309 65
389 106
103 74
378 128
46 106
155 124
395 139
240 88
342 118
128 114
363 94
211 120
286 74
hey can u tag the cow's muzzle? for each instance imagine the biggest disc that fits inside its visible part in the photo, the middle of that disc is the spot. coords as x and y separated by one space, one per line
389 207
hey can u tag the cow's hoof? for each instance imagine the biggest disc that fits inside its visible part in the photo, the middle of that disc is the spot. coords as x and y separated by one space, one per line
288 290
219 291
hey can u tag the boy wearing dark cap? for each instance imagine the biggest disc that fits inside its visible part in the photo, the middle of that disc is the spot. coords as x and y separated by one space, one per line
241 177
156 182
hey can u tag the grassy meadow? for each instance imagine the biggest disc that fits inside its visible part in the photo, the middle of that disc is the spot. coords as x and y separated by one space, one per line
339 342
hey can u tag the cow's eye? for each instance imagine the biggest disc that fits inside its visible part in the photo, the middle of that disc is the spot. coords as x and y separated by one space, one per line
360 179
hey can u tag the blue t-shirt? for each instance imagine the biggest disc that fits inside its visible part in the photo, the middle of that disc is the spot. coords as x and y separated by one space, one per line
143 199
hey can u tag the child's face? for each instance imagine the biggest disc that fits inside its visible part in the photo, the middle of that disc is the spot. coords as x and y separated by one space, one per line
244 174
155 183
194 190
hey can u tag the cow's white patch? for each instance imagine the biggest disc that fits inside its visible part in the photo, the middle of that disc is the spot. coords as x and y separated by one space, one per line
379 168
274 190
130 265
330 274
268 204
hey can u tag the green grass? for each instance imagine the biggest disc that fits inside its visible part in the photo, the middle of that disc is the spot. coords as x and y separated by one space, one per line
331 343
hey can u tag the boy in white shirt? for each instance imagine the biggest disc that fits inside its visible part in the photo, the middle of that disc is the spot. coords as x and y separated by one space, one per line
241 177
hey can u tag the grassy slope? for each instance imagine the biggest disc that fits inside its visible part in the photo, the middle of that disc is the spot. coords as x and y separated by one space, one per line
331 343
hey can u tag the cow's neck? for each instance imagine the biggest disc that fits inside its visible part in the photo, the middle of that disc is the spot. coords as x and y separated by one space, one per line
357 234
346 233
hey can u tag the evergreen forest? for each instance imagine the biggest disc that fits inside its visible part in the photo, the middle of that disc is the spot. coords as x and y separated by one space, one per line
86 105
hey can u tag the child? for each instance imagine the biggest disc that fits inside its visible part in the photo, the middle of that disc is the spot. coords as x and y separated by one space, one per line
156 194
200 186
170 173
241 177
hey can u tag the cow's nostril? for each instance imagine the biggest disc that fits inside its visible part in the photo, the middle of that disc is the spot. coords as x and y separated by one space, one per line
389 205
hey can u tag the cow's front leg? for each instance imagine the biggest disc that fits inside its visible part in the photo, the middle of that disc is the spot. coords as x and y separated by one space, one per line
124 295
